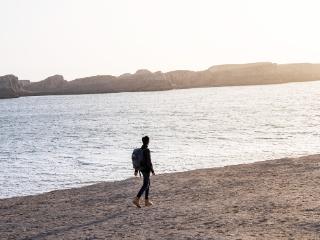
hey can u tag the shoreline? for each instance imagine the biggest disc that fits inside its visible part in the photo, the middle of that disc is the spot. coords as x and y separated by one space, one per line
273 199
132 177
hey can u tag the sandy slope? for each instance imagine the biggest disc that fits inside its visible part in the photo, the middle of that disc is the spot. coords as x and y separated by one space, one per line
276 199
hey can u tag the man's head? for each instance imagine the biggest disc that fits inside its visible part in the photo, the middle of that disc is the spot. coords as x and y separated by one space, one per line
145 140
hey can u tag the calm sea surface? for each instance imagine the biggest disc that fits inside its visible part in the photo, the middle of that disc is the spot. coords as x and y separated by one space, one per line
56 142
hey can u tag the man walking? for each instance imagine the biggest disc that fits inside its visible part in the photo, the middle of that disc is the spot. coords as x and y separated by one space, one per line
146 168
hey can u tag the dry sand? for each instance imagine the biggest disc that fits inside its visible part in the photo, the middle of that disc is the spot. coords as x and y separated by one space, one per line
276 199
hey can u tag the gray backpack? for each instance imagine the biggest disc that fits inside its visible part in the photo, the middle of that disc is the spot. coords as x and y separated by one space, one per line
137 158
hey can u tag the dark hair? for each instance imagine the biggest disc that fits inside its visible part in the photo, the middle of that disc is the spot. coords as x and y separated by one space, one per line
145 140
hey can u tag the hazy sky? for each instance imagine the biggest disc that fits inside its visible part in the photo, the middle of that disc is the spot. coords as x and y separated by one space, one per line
78 38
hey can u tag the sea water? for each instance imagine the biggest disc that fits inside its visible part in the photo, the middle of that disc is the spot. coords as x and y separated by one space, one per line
57 142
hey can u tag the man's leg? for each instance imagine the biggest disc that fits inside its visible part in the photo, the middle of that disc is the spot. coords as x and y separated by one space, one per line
147 202
146 196
145 184
136 201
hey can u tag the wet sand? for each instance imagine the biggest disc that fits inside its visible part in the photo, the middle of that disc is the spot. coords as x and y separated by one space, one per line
276 199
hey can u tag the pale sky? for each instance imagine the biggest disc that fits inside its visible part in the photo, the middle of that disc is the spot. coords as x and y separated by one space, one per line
78 38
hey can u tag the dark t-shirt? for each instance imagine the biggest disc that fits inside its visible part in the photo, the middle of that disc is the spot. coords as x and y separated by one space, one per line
146 165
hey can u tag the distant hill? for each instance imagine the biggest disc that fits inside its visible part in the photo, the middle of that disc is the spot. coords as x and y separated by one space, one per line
144 80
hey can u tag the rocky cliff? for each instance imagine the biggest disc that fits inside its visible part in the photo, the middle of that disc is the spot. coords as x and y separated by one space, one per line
10 87
53 84
24 83
263 73
144 80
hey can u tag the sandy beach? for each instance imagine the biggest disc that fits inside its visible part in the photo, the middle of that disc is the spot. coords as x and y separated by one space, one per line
277 199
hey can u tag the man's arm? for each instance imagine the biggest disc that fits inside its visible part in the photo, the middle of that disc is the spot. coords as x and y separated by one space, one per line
148 161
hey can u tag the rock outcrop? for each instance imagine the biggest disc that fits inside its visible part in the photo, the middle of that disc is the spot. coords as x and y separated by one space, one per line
24 83
263 73
95 84
10 87
52 85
